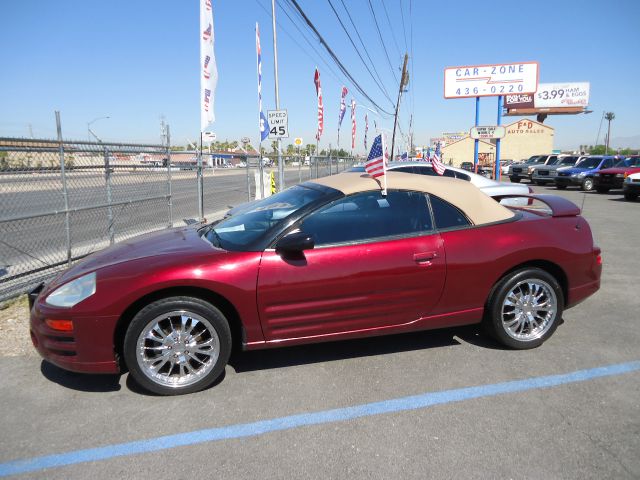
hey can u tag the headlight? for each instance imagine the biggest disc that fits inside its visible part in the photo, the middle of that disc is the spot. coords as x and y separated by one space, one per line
627 180
597 175
530 170
74 292
619 175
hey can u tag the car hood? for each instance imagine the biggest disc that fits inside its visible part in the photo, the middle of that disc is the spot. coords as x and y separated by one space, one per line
179 242
572 170
617 170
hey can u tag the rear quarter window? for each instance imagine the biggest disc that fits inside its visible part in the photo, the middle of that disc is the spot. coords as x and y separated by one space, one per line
447 215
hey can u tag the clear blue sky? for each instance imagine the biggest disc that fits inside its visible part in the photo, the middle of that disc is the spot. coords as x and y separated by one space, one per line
137 60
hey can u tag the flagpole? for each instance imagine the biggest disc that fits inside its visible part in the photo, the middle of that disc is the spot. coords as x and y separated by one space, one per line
199 176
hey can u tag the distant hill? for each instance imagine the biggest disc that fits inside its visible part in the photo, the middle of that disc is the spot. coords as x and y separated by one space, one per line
626 142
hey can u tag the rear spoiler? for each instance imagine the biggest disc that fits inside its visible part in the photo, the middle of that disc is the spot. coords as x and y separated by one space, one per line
560 207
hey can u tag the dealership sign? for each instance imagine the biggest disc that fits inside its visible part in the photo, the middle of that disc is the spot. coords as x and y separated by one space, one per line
487 132
490 80
554 95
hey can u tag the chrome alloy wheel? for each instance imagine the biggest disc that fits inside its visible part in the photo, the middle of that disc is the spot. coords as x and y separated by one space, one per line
177 349
529 310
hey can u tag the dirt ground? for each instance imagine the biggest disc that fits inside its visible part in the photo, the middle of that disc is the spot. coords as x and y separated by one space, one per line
14 326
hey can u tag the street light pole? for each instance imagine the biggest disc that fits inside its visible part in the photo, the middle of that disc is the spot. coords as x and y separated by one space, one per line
90 132
275 68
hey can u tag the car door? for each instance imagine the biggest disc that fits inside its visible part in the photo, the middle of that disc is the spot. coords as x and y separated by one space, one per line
377 262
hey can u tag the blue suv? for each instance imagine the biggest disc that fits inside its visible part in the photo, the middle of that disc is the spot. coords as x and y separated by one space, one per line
581 175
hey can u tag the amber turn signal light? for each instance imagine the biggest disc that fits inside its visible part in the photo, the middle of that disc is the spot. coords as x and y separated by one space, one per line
60 325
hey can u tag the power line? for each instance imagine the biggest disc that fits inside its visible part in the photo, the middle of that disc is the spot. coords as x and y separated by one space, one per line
393 36
340 65
375 20
297 43
358 52
366 51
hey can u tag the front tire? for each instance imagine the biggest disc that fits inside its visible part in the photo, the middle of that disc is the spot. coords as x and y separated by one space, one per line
630 196
587 184
524 308
177 345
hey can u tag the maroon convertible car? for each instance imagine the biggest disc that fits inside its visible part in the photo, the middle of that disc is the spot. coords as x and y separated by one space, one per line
325 260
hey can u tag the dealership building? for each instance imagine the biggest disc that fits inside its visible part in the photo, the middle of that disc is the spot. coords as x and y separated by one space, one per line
523 138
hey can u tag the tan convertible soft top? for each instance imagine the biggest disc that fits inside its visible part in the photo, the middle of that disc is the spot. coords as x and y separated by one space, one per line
480 208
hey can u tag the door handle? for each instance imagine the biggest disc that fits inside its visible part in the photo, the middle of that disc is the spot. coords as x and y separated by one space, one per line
424 257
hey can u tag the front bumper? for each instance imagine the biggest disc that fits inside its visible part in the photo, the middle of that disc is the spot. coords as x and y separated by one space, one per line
569 181
89 348
519 173
608 181
633 187
546 176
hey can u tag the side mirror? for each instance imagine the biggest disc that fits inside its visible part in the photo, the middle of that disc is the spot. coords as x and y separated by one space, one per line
295 242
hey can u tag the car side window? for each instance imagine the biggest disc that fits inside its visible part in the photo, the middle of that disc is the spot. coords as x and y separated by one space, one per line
608 163
449 173
446 215
369 215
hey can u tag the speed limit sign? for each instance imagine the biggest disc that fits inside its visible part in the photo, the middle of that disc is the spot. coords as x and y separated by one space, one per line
278 124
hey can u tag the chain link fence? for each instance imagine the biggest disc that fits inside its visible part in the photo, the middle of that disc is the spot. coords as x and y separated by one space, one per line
62 200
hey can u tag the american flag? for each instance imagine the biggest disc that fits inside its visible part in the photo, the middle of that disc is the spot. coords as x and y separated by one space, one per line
353 124
375 165
316 80
437 165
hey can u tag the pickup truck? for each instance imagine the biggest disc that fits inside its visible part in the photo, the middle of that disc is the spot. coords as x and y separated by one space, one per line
546 173
520 171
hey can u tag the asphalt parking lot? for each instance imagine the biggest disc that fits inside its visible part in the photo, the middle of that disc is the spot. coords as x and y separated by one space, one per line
439 404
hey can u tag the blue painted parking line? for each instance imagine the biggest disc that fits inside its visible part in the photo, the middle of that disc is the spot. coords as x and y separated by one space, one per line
316 418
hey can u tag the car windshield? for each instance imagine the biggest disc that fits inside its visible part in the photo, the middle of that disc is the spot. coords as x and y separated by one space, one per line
628 162
534 159
568 161
592 162
239 231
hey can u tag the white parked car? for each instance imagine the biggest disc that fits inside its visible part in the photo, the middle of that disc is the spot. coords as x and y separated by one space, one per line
488 186
631 186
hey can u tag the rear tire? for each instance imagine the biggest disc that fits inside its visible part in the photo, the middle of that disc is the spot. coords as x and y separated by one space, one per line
177 345
524 308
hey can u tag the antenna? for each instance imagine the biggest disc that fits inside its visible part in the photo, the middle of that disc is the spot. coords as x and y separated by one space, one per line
584 196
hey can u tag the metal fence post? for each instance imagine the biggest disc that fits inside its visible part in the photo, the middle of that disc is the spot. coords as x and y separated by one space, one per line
169 192
107 179
65 193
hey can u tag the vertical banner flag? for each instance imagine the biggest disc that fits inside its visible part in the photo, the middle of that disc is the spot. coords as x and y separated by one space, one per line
343 108
366 129
209 71
353 124
262 120
316 80
435 161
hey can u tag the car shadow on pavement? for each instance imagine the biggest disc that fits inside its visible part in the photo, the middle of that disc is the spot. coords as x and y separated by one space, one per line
331 351
82 382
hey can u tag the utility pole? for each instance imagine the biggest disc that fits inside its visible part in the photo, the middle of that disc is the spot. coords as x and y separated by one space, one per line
404 80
